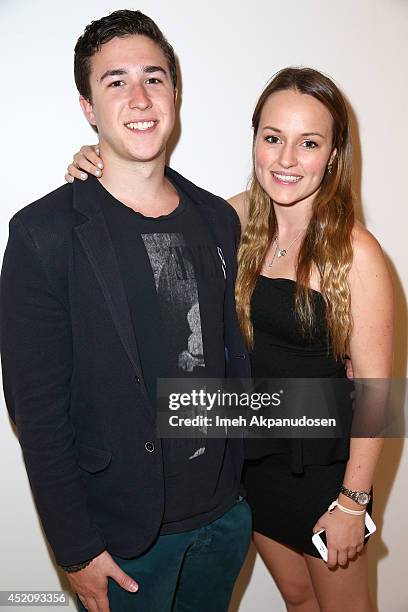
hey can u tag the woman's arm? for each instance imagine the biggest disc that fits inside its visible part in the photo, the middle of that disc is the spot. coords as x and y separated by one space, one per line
371 347
372 308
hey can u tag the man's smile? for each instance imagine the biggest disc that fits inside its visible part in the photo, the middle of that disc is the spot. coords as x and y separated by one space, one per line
141 126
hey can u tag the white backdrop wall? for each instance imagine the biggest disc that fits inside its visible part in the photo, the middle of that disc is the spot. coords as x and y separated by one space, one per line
227 51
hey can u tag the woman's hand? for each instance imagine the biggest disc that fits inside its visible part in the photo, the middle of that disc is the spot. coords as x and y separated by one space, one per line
344 534
86 160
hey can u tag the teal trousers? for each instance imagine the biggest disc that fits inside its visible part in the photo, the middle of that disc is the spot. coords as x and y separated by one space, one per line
193 571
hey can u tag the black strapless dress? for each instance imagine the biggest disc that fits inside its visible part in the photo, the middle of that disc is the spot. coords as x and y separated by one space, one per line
290 483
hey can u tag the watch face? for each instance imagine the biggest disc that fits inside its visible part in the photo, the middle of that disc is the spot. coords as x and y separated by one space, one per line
363 499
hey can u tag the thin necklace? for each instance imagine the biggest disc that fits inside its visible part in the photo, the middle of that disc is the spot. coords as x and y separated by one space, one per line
282 252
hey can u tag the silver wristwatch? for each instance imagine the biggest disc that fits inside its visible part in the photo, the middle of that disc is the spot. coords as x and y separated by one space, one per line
361 497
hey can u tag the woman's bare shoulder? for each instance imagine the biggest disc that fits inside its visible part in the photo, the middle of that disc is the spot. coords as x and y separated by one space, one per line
365 244
240 203
369 261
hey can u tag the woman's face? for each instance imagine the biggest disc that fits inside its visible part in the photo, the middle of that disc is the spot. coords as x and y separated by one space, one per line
293 146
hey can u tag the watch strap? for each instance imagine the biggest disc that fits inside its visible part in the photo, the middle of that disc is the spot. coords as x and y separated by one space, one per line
354 495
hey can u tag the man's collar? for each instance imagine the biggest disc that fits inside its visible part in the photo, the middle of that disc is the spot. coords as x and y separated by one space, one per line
87 202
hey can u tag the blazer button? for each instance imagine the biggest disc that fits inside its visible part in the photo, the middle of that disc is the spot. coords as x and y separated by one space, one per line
149 446
137 379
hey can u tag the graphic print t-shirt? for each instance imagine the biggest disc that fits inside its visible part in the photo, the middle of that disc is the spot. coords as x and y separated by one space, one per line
174 279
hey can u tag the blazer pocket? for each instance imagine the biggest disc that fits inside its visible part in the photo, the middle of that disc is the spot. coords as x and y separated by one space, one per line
93 459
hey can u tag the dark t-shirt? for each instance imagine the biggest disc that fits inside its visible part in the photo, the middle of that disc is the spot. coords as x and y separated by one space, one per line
174 282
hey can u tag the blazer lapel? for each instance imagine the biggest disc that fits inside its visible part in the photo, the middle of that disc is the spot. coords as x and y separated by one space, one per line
97 244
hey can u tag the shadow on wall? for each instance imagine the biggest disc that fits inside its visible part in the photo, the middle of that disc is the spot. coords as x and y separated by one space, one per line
391 457
384 479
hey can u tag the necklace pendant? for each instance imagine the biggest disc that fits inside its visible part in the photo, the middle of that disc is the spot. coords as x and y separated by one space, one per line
282 253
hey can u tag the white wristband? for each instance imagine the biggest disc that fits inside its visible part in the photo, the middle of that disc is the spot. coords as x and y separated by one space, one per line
336 504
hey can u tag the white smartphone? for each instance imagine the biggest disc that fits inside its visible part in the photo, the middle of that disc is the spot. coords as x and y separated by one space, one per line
319 538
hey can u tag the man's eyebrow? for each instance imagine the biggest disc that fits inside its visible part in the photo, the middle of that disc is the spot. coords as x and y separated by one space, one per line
121 71
150 69
113 72
274 129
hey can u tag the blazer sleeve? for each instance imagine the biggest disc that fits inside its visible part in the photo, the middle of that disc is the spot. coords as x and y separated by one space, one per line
36 351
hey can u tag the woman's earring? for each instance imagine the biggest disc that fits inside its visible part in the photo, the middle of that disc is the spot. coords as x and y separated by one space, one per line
329 168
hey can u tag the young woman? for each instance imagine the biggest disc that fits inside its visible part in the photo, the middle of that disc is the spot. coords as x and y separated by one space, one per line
312 286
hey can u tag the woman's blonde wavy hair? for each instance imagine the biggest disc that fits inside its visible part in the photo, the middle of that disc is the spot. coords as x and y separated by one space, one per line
327 241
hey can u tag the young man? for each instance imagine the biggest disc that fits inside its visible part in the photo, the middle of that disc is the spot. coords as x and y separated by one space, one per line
106 286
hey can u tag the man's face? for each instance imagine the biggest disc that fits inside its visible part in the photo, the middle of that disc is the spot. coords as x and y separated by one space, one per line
133 100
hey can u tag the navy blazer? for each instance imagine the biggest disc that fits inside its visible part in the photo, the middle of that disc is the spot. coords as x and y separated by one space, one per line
72 377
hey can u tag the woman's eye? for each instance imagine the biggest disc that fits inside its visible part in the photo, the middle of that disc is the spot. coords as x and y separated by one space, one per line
309 144
272 139
153 81
116 84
